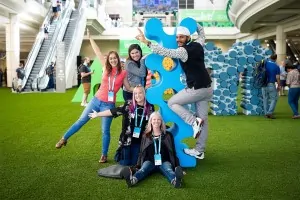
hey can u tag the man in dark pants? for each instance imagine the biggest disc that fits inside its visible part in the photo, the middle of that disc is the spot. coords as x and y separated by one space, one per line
1 75
50 73
198 90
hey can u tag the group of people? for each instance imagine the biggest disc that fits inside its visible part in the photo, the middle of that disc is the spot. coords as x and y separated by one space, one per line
149 146
285 75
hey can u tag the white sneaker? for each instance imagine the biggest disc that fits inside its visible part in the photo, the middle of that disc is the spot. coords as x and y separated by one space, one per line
195 153
83 104
197 127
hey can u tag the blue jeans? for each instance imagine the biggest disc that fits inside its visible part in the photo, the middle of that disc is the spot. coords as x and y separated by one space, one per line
98 106
293 99
148 167
269 93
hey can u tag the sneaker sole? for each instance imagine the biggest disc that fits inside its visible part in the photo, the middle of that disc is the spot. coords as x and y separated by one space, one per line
201 157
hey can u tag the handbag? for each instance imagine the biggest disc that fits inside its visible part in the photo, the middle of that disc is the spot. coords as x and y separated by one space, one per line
113 171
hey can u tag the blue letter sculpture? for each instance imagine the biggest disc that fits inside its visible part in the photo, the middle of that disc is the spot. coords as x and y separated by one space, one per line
169 79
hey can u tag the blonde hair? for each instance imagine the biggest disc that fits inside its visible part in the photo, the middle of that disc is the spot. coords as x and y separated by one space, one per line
149 128
134 91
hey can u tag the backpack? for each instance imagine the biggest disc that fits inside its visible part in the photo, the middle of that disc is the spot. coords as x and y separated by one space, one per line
49 70
20 73
260 75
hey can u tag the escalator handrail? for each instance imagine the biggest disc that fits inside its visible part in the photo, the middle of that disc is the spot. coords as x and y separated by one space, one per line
76 32
34 50
294 48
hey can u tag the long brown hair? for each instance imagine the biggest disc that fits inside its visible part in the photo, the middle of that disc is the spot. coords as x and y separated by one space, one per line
108 67
149 128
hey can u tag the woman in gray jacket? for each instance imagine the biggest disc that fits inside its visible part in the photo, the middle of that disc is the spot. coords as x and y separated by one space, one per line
136 69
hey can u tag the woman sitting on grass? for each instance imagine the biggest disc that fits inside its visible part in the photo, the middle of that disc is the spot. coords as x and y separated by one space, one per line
157 153
135 114
112 80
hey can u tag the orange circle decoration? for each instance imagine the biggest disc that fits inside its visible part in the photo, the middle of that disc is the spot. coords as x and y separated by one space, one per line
168 63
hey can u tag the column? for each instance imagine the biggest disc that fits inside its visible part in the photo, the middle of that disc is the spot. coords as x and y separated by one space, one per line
280 44
12 47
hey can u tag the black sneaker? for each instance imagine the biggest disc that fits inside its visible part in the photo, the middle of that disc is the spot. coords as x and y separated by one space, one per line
178 177
126 173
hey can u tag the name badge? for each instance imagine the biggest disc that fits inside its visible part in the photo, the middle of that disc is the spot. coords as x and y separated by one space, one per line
111 96
136 132
157 159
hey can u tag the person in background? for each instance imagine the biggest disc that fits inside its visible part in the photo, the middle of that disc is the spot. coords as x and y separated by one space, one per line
293 82
46 30
20 75
50 73
112 79
135 114
1 77
270 93
86 78
283 75
58 8
136 69
157 153
54 11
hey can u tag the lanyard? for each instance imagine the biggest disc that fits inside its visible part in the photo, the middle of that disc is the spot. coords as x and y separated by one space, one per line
136 116
113 84
157 151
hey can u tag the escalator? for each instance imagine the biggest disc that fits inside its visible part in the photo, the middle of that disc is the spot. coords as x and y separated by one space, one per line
72 38
70 30
44 50
291 52
41 56
272 45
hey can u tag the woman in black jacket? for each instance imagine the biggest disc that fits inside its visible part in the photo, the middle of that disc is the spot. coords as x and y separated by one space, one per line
157 153
135 113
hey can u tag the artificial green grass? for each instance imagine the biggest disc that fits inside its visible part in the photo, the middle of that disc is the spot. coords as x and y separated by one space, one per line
247 157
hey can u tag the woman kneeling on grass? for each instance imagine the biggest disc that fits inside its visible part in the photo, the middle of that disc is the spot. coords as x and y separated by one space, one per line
136 113
157 153
112 80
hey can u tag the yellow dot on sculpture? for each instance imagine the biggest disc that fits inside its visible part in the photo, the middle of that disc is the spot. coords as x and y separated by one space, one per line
168 63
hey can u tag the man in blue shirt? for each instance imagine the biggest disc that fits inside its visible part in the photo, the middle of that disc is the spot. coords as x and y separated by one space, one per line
270 93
